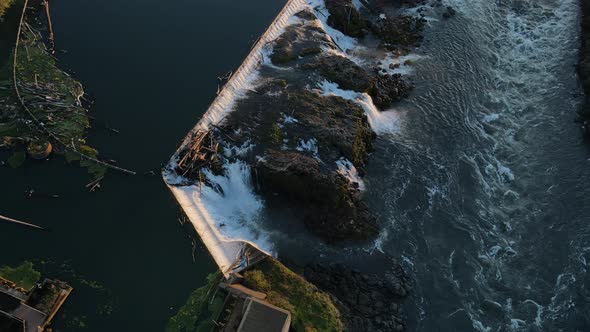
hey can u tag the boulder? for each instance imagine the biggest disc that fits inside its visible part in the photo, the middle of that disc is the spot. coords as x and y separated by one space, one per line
347 74
345 17
399 32
299 40
387 89
332 209
363 298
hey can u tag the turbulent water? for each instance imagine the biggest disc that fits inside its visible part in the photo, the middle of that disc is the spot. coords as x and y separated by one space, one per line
481 178
486 188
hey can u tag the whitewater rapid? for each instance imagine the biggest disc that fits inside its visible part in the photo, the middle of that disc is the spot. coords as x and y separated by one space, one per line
485 185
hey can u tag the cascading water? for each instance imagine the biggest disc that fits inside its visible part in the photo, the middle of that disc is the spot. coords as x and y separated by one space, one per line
486 187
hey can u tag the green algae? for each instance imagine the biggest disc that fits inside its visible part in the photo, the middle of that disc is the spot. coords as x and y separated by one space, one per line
197 314
53 99
24 275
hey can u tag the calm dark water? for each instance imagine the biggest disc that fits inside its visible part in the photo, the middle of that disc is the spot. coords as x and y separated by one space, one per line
152 68
483 192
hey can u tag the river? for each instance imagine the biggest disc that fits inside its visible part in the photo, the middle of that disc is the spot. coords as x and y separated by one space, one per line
152 68
483 190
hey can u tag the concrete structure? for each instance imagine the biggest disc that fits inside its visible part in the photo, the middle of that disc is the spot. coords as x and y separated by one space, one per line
30 311
19 313
9 323
260 316
227 252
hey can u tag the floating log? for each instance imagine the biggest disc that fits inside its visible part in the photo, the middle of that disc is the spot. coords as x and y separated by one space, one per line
18 222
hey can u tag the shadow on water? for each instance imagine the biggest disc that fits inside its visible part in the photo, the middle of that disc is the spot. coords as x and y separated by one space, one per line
151 67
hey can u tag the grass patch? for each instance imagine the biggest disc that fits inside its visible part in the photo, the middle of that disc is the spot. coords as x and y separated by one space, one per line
197 314
311 309
24 275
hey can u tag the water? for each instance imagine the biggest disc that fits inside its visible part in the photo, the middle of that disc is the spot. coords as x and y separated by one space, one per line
486 185
152 68
482 181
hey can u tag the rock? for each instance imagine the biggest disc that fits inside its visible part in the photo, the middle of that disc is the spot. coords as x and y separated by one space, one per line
450 12
345 17
332 211
363 302
388 89
347 74
401 31
299 40
394 66
363 299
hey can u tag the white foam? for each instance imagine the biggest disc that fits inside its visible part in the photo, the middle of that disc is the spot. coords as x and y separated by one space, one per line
310 145
225 214
491 117
386 122
347 169
345 42
230 150
403 64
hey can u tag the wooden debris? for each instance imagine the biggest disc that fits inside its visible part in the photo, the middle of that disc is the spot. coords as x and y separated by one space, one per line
18 222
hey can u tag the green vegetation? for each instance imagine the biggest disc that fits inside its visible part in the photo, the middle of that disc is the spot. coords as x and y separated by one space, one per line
275 135
53 98
202 307
23 276
312 309
4 5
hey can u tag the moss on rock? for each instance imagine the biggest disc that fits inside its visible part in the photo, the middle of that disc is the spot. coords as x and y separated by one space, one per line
311 309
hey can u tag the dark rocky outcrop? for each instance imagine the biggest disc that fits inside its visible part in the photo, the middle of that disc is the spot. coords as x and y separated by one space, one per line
449 12
296 138
584 65
347 74
345 17
301 178
399 32
333 209
299 40
368 302
387 89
